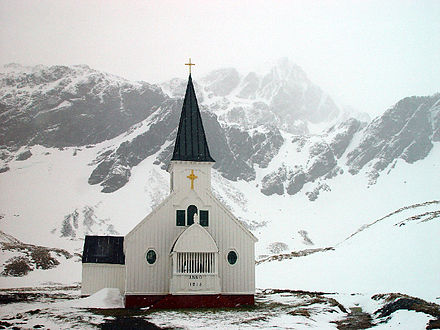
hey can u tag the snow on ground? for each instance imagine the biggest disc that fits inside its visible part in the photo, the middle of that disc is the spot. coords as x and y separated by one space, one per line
385 258
62 308
405 320
106 298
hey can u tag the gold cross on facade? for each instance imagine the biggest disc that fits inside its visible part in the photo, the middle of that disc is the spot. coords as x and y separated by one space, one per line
189 64
192 177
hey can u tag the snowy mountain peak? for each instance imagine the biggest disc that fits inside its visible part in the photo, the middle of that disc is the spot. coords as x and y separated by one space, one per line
281 93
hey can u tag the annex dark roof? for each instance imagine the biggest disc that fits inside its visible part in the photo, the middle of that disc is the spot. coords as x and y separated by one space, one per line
104 250
191 142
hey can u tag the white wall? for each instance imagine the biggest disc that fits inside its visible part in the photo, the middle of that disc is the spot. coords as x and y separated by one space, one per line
98 276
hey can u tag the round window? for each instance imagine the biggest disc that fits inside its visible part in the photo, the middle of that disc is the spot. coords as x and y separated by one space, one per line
151 256
232 257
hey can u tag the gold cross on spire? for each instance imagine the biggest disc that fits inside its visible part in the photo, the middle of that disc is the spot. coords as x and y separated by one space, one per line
192 177
189 64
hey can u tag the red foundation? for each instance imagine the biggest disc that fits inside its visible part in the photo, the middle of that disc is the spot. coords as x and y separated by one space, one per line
188 301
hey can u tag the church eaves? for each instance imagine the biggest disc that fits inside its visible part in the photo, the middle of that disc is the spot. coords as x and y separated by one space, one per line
191 142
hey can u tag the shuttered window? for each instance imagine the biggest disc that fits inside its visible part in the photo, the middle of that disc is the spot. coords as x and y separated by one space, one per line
195 263
180 218
204 218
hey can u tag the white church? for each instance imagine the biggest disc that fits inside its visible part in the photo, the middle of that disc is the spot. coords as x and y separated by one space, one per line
188 252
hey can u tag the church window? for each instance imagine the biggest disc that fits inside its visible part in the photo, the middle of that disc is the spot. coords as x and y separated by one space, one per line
180 218
151 256
204 218
232 257
192 209
195 263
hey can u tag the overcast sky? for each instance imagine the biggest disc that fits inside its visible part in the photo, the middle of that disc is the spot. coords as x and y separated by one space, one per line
367 54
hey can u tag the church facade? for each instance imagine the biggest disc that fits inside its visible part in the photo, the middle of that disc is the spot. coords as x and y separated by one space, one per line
190 251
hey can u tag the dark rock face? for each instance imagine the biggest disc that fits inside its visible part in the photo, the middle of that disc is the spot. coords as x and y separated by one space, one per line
82 106
313 195
273 183
114 170
296 182
342 139
231 165
4 169
321 162
257 148
24 155
405 131
293 180
435 115
84 222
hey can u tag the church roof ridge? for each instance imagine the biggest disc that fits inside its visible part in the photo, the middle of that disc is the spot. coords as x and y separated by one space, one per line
191 144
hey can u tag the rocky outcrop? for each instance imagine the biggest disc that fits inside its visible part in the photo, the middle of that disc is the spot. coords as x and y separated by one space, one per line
257 147
84 221
405 131
322 161
313 195
344 135
296 181
24 155
69 106
22 258
273 183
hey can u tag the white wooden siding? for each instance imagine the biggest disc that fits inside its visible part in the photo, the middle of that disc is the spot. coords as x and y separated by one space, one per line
159 231
99 276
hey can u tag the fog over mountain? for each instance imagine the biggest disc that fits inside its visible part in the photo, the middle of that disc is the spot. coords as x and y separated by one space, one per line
249 118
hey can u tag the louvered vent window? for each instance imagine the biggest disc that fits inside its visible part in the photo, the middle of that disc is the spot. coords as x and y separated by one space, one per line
195 263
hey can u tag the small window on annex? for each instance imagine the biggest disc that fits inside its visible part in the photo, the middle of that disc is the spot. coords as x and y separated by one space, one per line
151 256
180 218
204 218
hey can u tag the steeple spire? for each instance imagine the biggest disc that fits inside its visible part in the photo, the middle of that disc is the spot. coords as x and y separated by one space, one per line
191 142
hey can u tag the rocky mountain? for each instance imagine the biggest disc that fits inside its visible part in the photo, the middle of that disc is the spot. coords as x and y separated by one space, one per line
406 131
63 106
255 123
282 96
77 106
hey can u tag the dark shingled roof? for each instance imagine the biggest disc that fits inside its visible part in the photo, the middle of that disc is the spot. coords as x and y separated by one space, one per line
191 142
104 250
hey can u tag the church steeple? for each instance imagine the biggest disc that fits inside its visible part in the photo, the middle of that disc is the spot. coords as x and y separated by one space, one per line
191 142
